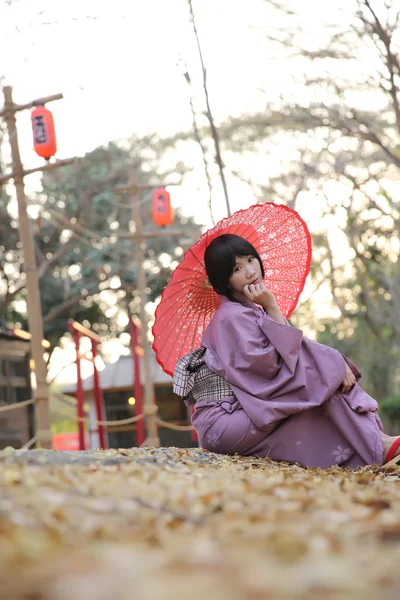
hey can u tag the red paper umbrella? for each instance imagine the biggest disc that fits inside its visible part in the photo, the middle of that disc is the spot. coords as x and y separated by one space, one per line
283 242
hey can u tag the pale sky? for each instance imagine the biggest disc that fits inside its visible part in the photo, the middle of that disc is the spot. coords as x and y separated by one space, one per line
118 71
116 64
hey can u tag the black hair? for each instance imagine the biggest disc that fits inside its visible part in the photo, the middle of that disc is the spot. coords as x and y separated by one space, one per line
220 260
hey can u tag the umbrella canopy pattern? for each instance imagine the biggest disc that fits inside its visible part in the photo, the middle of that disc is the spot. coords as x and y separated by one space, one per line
188 302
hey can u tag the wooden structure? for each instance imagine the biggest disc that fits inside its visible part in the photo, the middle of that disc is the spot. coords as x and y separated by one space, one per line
17 425
116 382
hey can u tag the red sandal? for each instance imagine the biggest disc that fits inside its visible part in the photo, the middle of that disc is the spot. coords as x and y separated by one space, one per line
392 451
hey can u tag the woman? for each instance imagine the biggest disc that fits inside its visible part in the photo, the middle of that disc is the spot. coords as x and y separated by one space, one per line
261 388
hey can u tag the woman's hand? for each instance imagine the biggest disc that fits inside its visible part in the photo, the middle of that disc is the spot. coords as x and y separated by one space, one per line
259 294
349 379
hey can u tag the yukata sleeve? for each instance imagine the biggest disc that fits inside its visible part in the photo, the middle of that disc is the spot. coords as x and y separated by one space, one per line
284 338
258 357
249 350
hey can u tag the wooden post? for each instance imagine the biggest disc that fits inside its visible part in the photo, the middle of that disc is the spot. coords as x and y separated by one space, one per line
133 187
35 321
149 402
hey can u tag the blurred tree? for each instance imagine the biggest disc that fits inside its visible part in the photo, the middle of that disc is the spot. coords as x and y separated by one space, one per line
86 272
336 135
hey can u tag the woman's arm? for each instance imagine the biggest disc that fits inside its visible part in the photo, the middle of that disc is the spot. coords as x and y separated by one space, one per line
250 342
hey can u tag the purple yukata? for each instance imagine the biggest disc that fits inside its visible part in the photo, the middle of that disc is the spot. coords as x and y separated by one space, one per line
278 394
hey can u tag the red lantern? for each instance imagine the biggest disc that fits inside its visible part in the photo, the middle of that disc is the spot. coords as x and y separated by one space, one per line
163 214
44 135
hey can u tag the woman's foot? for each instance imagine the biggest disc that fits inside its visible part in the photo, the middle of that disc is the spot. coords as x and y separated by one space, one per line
387 442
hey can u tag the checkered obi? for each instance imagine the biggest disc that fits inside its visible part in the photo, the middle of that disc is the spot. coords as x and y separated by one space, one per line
195 382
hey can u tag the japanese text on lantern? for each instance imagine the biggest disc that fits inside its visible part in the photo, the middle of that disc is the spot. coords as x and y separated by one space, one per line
162 211
44 135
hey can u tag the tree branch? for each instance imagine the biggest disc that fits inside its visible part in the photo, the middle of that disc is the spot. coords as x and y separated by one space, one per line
198 139
331 278
9 298
209 115
61 308
391 60
45 266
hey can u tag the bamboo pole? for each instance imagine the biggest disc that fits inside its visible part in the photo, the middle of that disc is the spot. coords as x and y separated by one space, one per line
134 188
149 400
48 167
35 319
32 103
123 235
150 406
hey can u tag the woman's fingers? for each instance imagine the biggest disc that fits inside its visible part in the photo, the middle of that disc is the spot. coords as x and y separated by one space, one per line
350 375
348 381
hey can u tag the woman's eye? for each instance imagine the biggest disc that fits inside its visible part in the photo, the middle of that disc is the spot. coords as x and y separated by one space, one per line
251 259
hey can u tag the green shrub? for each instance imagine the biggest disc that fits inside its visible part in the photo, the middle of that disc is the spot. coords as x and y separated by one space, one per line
389 409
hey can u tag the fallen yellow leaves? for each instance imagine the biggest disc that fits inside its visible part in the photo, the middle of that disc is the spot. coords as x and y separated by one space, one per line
173 523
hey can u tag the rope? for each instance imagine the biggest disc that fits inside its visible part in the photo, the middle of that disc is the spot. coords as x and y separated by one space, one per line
17 405
30 443
148 411
106 423
174 427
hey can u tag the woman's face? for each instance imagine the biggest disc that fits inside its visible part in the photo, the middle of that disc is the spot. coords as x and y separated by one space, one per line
247 270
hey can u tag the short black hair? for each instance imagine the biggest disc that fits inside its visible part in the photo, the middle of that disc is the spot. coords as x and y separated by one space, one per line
220 260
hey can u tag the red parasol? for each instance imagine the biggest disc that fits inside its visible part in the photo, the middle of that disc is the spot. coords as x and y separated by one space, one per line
187 304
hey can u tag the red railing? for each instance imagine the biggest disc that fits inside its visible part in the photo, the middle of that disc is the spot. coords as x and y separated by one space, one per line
78 331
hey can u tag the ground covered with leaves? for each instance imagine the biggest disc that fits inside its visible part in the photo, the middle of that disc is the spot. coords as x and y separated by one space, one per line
171 524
